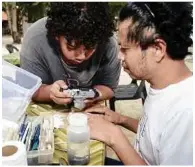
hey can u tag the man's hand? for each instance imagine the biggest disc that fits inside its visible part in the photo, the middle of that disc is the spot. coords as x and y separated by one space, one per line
108 114
111 134
104 94
57 96
102 130
90 102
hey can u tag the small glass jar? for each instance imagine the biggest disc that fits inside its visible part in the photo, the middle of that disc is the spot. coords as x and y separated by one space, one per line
78 139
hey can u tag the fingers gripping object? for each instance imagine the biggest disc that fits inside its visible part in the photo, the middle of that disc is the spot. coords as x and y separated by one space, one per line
80 94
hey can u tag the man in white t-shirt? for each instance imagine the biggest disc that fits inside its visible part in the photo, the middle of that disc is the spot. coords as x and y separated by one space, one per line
154 40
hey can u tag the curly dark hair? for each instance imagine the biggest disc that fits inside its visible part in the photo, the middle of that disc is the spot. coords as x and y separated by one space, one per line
89 23
170 21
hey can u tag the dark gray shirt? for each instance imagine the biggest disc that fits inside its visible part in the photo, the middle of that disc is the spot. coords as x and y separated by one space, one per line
42 58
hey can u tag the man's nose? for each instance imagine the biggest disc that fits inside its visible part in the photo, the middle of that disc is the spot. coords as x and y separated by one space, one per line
81 55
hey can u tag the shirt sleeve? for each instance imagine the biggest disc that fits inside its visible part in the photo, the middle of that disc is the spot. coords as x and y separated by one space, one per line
109 71
176 143
32 61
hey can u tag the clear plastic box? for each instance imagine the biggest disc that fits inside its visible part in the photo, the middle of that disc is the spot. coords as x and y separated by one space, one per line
38 157
18 87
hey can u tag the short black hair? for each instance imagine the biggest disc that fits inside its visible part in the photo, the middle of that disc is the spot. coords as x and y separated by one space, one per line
170 21
89 23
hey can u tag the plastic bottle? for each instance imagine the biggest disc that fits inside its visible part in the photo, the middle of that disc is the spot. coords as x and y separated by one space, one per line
78 139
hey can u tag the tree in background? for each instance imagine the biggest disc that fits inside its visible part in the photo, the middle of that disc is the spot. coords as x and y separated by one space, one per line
33 10
20 12
11 11
115 8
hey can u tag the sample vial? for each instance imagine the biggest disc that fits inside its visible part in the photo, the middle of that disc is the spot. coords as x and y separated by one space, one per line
78 139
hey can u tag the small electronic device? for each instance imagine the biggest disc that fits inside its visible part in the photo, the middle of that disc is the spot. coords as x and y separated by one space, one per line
80 94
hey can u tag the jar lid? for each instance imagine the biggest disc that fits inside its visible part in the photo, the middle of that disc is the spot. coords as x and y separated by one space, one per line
77 119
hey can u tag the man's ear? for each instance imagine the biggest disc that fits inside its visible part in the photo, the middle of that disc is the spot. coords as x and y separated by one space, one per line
160 47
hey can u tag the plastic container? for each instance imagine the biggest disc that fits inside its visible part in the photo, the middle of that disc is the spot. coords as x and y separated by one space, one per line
78 139
9 130
42 156
18 87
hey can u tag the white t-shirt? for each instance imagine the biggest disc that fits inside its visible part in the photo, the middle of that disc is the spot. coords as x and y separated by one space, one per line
165 132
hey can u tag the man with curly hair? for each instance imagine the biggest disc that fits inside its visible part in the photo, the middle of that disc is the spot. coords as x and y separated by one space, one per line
74 44
154 39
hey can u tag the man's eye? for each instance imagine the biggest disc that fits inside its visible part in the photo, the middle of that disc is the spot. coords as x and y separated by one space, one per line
123 50
70 47
91 47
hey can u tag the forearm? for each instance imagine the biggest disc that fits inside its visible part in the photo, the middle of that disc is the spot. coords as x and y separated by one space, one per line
106 92
129 123
126 153
42 94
